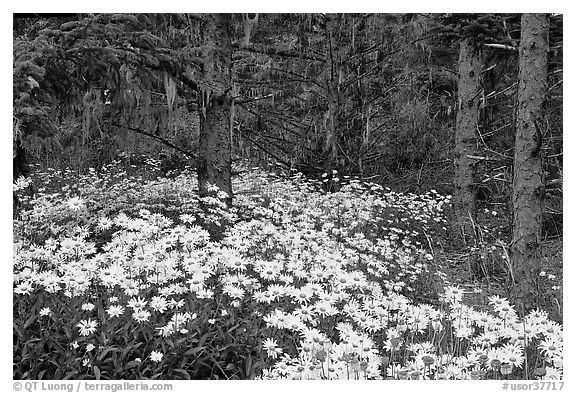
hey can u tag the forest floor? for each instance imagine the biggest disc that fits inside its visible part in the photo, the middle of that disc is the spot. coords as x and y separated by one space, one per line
364 265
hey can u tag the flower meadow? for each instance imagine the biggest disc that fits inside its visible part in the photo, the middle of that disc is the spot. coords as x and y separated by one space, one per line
122 274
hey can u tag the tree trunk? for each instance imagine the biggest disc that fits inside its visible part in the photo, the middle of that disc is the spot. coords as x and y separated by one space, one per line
470 73
528 185
214 148
334 97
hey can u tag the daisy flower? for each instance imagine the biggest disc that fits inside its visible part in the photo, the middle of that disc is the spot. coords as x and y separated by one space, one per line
513 358
497 301
271 348
87 326
24 288
137 304
115 310
234 291
551 347
324 308
301 295
453 294
269 273
486 339
553 373
75 203
45 311
305 313
156 356
88 307
159 304
464 332
141 315
104 223
237 263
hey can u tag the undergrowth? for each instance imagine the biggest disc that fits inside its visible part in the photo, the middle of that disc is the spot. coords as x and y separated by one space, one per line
130 275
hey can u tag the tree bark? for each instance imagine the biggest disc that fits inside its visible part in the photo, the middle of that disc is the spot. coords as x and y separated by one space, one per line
528 184
334 99
214 148
466 134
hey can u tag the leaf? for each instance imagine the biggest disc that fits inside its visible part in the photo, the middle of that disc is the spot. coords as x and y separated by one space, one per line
193 351
183 372
106 351
30 321
96 372
70 374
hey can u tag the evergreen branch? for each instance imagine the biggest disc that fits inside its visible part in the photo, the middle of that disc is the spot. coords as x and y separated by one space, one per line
274 51
156 137
260 147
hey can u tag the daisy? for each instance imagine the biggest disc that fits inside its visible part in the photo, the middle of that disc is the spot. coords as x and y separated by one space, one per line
45 311
115 310
301 295
88 307
87 327
486 339
176 304
237 263
269 274
453 294
324 308
141 315
196 283
527 331
286 278
351 308
305 313
159 304
552 329
137 304
75 203
156 356
271 348
513 358
497 301
464 332
276 291
551 347
234 291
453 371
104 223
24 288
553 373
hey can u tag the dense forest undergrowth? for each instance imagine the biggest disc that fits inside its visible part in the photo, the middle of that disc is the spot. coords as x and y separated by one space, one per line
125 273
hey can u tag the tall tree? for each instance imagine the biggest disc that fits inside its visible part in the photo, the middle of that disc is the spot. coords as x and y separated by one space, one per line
528 185
214 154
466 134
